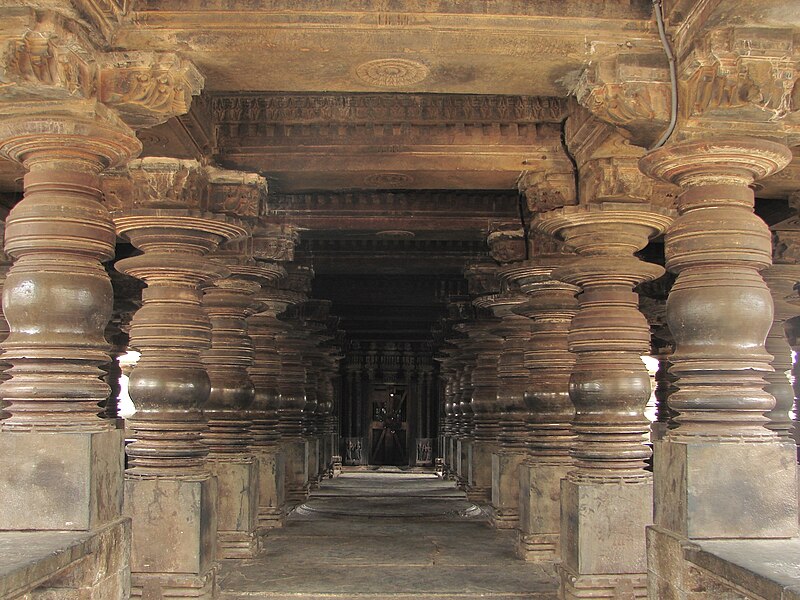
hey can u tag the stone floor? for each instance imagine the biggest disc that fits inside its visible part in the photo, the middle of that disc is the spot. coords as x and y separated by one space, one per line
387 534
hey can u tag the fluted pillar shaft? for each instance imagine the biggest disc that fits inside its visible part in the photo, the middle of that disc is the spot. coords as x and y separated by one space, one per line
719 311
609 387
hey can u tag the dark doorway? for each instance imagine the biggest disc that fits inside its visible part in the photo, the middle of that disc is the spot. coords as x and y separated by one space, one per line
388 434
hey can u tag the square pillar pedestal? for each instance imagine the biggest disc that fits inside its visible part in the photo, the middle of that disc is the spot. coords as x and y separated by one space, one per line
70 483
312 449
462 453
505 489
479 486
174 525
603 550
60 481
237 505
271 489
716 491
296 471
540 510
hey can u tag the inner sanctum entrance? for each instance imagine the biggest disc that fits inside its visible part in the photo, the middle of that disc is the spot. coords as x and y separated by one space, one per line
388 432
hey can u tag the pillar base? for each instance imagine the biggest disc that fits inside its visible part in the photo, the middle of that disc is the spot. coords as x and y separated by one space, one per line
505 489
237 505
174 525
312 462
540 510
616 587
271 490
479 486
64 481
296 472
713 489
173 585
603 530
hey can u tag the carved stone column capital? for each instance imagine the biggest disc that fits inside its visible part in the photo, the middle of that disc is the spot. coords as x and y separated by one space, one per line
629 90
547 189
49 57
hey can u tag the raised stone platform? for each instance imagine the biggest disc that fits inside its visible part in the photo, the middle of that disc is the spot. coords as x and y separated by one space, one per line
761 569
387 535
67 564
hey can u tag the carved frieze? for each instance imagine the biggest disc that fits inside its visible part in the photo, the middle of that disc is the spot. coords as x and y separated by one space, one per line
750 68
46 56
386 108
547 189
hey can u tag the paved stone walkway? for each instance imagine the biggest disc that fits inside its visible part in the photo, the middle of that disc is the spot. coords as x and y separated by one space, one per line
391 535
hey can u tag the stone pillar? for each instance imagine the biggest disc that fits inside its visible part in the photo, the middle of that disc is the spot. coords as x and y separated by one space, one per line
292 387
61 465
162 206
270 248
5 265
551 306
781 278
264 373
720 473
512 379
606 501
484 424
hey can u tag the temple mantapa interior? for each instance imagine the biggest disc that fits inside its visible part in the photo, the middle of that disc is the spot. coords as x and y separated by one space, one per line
374 299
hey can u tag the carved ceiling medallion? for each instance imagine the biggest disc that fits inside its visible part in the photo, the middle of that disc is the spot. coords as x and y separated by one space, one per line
387 180
392 72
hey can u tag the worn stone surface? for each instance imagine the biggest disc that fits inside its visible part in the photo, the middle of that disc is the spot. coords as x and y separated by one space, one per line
83 480
354 545
94 565
603 526
695 497
271 487
540 510
174 525
237 505
505 489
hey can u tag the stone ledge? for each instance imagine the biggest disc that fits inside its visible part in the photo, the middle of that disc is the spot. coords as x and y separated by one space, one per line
29 559
768 569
